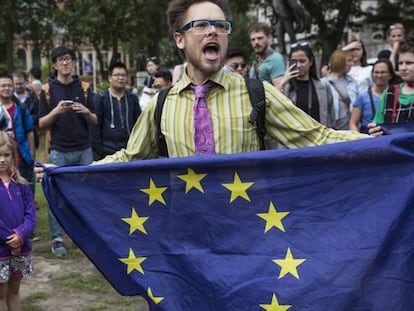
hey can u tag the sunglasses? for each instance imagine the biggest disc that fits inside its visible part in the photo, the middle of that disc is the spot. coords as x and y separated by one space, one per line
154 58
236 66
297 44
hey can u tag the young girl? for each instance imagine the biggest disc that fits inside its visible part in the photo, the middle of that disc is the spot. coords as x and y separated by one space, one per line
17 222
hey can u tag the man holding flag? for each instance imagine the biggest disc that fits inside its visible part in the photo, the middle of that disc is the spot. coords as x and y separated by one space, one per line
270 230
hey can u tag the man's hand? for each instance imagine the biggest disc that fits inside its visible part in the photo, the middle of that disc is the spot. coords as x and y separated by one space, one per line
39 171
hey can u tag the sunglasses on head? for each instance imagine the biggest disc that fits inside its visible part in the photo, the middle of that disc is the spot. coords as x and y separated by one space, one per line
297 44
152 58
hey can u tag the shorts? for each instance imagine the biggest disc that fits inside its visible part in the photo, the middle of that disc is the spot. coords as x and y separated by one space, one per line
16 268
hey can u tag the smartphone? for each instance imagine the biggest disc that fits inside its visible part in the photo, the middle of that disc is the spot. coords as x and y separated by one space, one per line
67 103
293 62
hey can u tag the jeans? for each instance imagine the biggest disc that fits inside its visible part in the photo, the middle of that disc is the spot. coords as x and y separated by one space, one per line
66 158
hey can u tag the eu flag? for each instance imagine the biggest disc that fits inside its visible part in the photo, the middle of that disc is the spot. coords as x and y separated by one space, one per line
319 228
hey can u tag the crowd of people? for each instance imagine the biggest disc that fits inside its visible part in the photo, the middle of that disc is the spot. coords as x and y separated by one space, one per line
302 109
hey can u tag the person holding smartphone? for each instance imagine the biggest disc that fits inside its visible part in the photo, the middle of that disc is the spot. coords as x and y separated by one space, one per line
302 85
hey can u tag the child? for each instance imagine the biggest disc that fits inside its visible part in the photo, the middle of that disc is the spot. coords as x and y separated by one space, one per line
17 222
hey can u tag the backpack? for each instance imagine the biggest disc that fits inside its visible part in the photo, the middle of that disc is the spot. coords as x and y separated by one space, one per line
46 90
257 100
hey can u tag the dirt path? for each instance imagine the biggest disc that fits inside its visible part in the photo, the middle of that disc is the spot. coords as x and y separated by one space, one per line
42 288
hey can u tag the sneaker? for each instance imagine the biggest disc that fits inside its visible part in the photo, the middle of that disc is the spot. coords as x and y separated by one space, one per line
34 238
58 248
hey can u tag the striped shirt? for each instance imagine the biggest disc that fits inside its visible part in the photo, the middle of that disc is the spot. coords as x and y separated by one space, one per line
230 108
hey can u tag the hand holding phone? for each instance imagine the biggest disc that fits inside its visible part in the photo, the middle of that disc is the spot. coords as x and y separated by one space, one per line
293 62
67 103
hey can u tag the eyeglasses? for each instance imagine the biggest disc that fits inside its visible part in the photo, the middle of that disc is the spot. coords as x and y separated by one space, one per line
202 26
297 44
236 66
119 75
67 59
4 86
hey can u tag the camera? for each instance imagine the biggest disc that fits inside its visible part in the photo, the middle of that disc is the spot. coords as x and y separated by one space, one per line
293 62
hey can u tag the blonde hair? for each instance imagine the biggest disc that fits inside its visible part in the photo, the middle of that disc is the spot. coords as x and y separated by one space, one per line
396 26
9 142
337 62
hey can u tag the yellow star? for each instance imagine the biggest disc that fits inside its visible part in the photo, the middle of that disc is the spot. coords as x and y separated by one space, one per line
192 180
273 218
133 263
288 265
275 306
238 188
135 222
156 300
155 194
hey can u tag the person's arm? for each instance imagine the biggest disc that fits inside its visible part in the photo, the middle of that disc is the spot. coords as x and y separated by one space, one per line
142 142
284 80
355 119
47 120
394 53
294 128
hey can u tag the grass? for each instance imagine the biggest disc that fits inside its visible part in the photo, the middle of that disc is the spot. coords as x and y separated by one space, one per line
73 283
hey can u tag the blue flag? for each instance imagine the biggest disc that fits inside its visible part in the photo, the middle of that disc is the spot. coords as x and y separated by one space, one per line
319 228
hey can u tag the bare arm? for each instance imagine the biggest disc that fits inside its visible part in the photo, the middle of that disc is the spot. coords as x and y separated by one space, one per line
355 118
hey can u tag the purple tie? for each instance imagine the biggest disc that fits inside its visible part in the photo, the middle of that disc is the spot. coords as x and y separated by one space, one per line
203 134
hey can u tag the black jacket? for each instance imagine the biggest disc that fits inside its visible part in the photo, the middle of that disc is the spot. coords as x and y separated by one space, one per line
115 122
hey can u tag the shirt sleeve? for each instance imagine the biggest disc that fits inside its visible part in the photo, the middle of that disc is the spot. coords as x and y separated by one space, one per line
293 128
379 114
142 143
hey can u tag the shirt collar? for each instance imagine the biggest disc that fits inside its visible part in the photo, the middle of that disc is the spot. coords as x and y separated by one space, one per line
220 78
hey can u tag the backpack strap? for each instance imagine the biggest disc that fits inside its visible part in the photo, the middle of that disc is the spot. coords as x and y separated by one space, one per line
258 102
85 87
162 144
371 100
395 103
46 88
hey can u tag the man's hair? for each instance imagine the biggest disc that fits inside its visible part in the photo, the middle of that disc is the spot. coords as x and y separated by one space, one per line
116 65
337 62
407 46
261 27
234 52
36 73
5 75
165 74
177 10
19 74
60 51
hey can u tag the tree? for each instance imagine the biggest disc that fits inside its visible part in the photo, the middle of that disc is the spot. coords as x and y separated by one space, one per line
108 24
31 20
390 12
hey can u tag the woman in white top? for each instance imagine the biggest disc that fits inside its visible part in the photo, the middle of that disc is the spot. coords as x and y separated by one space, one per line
360 69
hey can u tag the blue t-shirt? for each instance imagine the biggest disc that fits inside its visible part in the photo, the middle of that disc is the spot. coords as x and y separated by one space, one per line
363 102
272 67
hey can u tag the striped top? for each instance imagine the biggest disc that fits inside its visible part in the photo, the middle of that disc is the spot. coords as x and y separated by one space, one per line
230 108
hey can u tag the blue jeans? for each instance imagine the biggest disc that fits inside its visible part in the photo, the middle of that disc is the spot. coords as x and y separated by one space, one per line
66 158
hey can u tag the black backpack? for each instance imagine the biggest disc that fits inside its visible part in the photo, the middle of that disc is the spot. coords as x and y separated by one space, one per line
257 100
